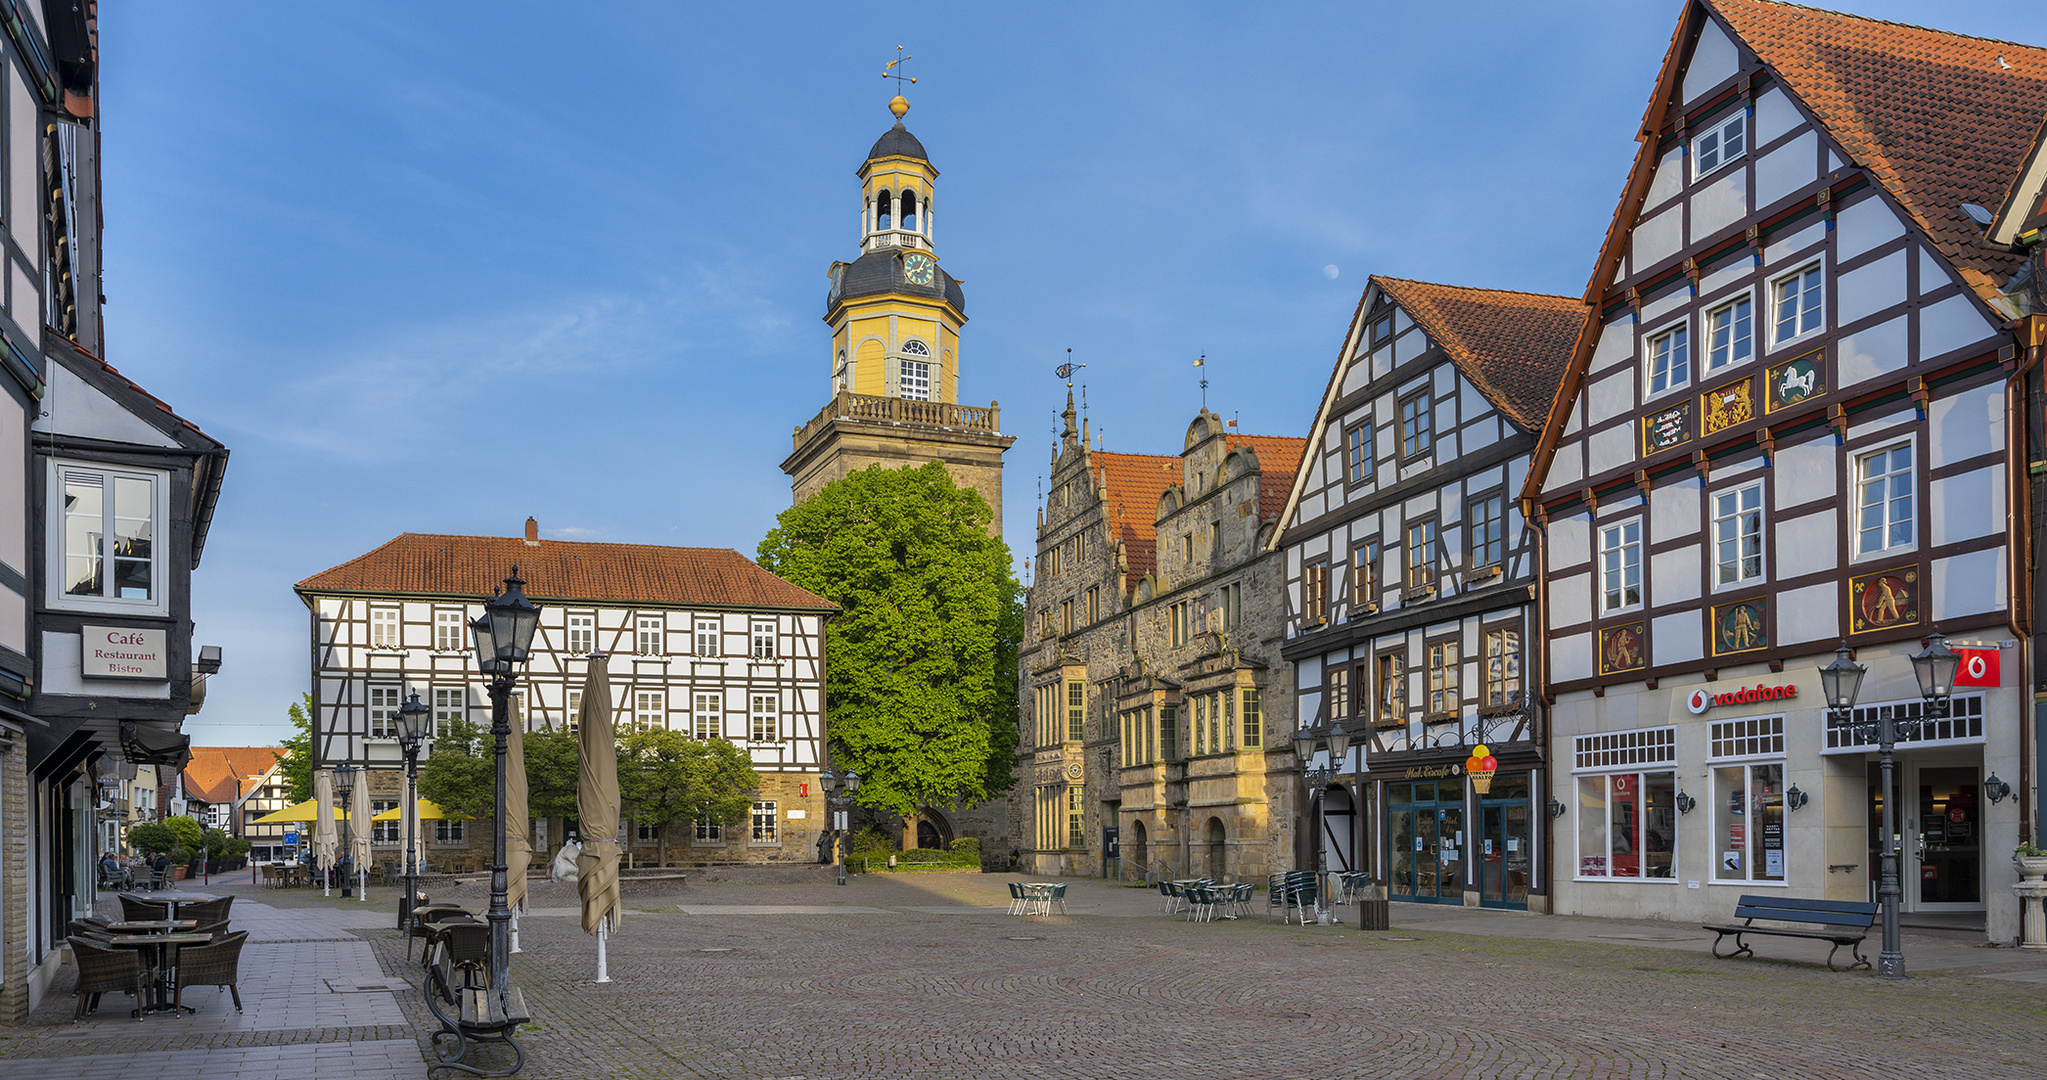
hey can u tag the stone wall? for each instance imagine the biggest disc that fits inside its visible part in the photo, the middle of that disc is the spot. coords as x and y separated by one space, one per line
14 823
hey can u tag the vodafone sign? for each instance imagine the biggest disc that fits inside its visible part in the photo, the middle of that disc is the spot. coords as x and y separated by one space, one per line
1979 667
1701 700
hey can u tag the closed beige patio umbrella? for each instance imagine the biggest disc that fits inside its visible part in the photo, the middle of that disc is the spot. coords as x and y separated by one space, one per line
359 849
518 841
326 839
597 805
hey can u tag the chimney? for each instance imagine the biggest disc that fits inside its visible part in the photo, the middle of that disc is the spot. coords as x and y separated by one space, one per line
532 532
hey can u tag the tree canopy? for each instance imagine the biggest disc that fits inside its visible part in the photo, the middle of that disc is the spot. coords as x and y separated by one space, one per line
668 778
297 769
461 774
921 660
551 760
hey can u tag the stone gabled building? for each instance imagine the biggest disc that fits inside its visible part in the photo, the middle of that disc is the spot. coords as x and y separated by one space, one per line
1156 725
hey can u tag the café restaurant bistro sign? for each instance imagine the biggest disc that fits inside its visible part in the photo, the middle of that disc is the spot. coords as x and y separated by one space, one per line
1700 700
124 652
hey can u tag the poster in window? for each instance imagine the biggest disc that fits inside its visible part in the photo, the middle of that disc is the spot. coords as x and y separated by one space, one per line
1730 861
1773 862
1883 599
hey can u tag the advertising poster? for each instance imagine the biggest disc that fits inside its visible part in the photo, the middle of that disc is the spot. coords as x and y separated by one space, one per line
1730 861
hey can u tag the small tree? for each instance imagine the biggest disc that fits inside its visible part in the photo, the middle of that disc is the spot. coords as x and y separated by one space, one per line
461 775
669 778
189 834
297 751
551 762
152 838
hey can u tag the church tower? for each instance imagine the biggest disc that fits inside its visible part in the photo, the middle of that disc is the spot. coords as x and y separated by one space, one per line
896 316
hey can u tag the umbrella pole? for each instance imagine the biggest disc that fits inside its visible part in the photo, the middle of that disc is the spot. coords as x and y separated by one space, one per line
603 931
362 884
515 925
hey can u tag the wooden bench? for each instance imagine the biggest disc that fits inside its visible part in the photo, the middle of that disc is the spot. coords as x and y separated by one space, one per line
479 1016
1842 922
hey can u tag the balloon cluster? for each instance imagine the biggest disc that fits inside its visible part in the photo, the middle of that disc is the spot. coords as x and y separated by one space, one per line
1481 766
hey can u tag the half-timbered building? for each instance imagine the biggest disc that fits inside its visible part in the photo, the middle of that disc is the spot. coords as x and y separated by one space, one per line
1156 728
701 640
1795 422
1411 585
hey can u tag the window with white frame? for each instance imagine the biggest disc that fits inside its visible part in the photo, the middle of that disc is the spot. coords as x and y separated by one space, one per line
763 639
384 701
1670 358
1719 144
707 715
107 537
1503 666
709 833
575 711
448 831
1620 565
582 640
650 709
1445 697
384 632
384 832
451 631
763 822
707 637
766 719
650 633
1729 334
1748 799
450 704
1797 307
1627 817
1738 534
1357 453
913 377
1884 499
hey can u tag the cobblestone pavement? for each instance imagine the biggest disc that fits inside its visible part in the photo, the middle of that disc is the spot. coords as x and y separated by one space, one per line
776 974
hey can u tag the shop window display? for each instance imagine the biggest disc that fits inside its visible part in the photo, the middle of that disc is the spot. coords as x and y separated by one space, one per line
1748 827
1627 826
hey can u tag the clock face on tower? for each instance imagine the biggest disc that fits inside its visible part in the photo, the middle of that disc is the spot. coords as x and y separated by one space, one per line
918 268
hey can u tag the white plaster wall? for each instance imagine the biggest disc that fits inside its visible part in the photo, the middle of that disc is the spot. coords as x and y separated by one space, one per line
1566 468
1965 425
1611 449
1966 506
1611 396
1873 351
1808 544
1570 600
1570 541
1409 345
1805 471
1864 224
1865 290
1787 168
1951 324
1714 61
14 464
1793 246
1656 238
1677 638
1616 344
1969 584
1674 509
1811 613
1933 272
1668 180
1775 115
1571 657
1674 576
1719 204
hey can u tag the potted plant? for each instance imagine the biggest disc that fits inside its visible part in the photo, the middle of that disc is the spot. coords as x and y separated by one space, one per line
2031 859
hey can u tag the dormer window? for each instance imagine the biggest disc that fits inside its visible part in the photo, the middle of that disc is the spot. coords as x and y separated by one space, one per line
1720 144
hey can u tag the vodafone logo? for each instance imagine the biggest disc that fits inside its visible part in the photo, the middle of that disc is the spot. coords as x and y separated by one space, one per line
1976 666
1700 700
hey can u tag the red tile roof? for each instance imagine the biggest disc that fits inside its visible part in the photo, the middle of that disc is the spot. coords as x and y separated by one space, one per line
1513 346
470 567
1939 118
1131 487
217 774
1279 457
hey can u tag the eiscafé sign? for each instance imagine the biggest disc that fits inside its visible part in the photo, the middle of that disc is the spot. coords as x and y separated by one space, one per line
1700 700
123 652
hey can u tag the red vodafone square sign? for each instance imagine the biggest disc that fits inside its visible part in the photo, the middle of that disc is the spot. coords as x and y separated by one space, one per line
1978 668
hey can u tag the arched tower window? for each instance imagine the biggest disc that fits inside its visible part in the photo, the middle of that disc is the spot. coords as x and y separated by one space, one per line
913 372
883 210
842 376
910 210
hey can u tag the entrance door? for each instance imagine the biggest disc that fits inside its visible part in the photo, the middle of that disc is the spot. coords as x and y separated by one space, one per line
1503 849
1424 835
1336 830
1940 834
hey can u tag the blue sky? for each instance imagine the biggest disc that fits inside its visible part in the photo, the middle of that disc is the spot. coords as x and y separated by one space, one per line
437 267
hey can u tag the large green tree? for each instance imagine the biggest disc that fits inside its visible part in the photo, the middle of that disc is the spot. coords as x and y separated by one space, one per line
297 769
461 774
668 778
921 660
551 761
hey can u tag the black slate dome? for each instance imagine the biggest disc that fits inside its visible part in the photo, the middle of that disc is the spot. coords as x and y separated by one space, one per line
879 272
898 142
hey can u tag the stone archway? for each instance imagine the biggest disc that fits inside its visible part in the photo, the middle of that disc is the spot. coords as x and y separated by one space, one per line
928 828
1136 855
1217 846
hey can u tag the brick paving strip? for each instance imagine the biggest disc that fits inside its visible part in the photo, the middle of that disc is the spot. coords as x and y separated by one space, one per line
879 980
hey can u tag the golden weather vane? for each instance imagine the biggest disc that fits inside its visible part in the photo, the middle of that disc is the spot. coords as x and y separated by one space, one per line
894 70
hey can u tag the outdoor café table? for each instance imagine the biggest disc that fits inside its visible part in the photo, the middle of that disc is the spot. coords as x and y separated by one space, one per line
146 926
171 900
162 944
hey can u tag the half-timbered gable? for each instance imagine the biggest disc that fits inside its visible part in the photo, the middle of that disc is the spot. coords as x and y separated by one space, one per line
1145 675
700 640
1410 578
1788 426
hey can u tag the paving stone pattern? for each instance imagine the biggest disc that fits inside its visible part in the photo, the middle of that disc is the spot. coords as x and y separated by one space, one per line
760 974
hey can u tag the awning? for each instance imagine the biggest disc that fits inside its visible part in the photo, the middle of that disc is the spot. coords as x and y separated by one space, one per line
305 811
428 811
153 744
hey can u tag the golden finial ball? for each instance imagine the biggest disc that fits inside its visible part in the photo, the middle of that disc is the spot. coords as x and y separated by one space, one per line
899 105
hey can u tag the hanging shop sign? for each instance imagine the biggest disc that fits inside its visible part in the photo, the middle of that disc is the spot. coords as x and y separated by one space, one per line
123 652
1700 700
1979 667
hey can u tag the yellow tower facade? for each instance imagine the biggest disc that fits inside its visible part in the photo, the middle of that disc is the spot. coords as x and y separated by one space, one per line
896 316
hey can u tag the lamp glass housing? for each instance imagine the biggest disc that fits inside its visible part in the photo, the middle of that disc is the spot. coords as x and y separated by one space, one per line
1935 666
486 650
1841 680
852 782
413 718
344 780
1339 747
1304 745
828 782
513 619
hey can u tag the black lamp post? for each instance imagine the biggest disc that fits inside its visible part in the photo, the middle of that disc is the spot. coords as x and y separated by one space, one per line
1319 776
839 788
504 640
344 786
413 718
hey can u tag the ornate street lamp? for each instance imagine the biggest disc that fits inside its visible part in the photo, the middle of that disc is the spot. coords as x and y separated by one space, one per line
504 640
1318 778
839 789
344 786
414 719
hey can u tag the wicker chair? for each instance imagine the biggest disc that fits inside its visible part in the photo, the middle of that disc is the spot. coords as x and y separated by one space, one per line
102 968
464 944
215 964
143 910
207 911
424 917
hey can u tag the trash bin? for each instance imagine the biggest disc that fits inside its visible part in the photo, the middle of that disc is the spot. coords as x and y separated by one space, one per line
1373 912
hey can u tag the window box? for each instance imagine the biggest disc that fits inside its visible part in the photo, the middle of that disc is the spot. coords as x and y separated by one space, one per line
1359 611
1424 592
1482 574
